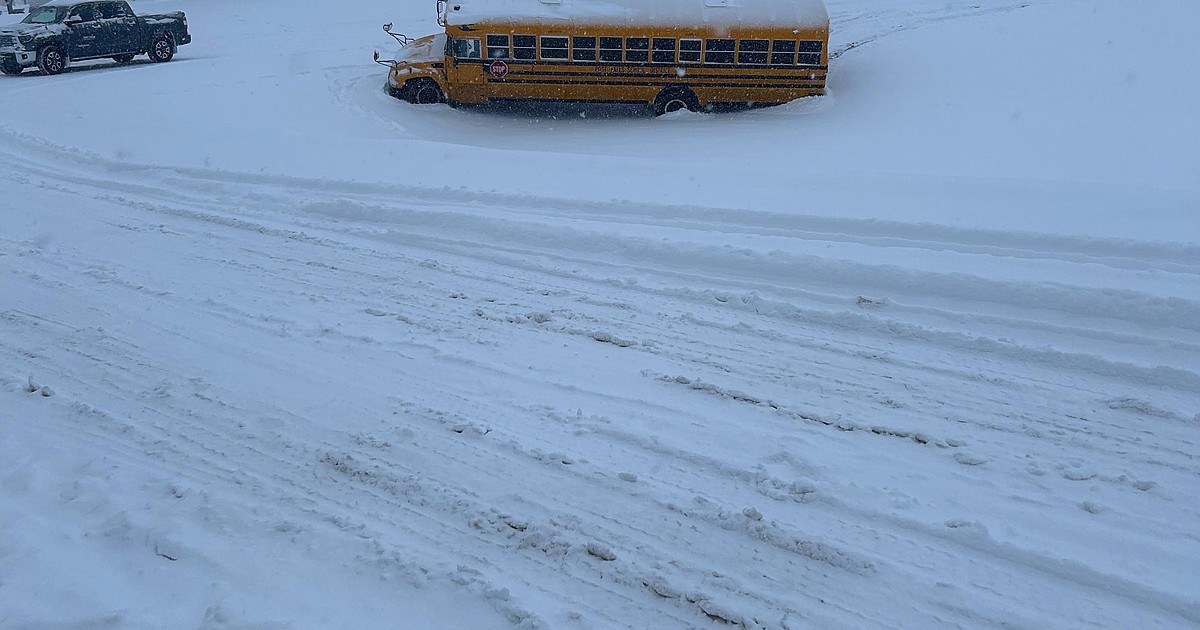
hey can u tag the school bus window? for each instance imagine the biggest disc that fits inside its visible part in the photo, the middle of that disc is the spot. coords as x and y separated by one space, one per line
583 48
554 47
497 47
718 51
664 50
689 50
810 53
783 52
524 47
637 49
610 49
466 48
753 51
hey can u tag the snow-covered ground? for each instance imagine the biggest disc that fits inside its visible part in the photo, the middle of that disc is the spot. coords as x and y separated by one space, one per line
277 350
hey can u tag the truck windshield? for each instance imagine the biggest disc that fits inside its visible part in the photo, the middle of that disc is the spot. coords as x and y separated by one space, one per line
45 15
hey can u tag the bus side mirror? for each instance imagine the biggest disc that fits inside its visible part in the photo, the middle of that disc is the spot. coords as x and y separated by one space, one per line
387 28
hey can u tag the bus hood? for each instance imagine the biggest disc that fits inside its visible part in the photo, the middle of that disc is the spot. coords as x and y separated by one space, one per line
424 50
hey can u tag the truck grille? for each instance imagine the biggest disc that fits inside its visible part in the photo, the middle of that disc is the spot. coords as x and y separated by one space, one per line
8 40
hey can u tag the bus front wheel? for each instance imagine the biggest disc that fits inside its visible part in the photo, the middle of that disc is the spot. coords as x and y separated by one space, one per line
673 99
422 92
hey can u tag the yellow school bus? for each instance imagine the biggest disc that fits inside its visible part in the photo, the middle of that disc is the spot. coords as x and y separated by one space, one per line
669 54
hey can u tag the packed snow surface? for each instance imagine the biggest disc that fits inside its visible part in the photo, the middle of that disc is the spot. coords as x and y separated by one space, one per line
277 350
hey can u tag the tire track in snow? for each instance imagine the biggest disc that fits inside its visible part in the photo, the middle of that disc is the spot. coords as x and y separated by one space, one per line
881 24
782 339
204 443
376 203
658 585
187 438
298 234
758 306
1080 301
183 439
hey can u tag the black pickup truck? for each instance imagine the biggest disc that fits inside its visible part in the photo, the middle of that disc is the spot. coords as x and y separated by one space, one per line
56 33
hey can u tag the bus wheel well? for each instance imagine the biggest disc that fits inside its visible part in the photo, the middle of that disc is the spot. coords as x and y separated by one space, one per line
422 91
675 98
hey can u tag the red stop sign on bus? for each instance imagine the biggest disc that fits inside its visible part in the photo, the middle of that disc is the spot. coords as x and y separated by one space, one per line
499 69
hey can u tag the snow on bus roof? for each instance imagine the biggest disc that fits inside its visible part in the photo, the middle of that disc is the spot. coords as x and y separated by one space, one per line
704 13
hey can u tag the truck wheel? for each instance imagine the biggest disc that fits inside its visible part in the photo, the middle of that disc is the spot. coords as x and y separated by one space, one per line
162 49
673 99
10 67
423 92
51 60
126 58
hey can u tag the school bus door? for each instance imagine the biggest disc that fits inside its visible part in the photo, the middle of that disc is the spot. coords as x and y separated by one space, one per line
465 74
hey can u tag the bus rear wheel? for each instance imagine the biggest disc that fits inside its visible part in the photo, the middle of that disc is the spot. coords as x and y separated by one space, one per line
422 92
673 99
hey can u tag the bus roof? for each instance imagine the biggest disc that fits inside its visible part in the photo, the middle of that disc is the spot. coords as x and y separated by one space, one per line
687 13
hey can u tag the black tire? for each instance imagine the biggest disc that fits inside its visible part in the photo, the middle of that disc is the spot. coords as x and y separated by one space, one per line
673 99
162 49
10 67
51 60
123 58
422 92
